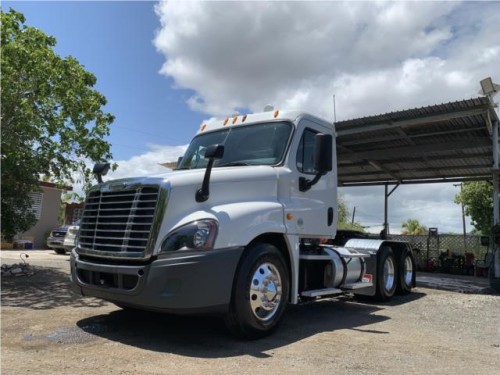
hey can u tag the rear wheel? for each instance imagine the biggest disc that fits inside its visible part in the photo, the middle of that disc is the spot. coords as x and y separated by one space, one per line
260 292
386 274
406 272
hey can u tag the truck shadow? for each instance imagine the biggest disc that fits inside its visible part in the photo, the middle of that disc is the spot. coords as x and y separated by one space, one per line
48 288
207 337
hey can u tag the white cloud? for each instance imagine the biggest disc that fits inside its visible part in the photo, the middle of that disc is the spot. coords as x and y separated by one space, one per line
375 57
432 205
147 164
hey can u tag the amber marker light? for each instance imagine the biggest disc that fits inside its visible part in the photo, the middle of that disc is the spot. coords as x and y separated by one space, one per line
276 113
244 118
289 216
225 121
203 127
235 118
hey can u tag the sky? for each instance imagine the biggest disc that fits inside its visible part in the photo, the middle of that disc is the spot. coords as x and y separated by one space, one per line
165 67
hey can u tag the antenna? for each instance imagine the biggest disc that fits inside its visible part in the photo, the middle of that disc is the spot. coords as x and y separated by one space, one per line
334 110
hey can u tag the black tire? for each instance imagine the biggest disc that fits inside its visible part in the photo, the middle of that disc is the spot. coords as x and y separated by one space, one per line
406 272
255 311
386 282
60 251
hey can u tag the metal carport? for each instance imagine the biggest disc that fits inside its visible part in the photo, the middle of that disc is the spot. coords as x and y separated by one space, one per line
450 142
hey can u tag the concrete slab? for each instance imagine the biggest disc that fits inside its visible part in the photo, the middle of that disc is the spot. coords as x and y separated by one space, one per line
454 283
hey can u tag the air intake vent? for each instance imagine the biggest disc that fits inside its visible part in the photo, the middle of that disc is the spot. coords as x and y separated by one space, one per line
118 222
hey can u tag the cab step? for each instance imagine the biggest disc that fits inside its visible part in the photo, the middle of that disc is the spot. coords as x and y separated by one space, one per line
321 292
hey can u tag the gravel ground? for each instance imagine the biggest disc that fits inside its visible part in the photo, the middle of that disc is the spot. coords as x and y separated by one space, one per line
48 330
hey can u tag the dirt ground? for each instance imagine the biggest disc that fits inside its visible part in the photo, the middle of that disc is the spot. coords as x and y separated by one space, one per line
48 330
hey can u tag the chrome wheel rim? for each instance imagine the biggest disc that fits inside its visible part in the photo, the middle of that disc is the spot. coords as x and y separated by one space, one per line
389 274
408 270
265 292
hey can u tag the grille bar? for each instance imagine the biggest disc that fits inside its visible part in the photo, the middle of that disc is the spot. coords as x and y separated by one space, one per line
119 222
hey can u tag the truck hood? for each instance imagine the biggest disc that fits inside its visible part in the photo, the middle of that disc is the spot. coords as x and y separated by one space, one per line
219 175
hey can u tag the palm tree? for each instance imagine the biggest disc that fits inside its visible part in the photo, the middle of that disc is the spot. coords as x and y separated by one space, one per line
413 227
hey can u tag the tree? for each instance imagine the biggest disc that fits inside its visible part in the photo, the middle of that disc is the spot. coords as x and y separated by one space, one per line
477 198
413 227
52 119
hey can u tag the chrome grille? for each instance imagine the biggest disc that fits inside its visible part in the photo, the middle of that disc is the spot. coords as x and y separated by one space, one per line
118 221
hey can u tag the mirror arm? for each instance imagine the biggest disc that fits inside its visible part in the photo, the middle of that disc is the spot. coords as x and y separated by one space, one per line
203 193
212 153
305 184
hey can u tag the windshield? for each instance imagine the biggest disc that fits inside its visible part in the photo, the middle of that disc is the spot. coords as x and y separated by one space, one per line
260 144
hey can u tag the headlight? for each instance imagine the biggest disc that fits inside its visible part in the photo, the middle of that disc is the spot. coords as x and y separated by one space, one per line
198 235
73 230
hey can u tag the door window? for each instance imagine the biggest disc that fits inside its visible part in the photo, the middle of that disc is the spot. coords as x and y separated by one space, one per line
305 152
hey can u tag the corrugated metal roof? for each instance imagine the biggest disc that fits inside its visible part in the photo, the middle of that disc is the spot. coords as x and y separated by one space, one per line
439 143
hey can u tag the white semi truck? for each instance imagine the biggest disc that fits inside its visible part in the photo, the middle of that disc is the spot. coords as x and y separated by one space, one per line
237 229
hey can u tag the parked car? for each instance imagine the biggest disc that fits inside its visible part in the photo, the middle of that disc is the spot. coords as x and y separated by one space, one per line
70 238
56 239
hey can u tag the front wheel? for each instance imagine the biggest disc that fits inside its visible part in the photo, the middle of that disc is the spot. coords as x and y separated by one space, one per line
260 292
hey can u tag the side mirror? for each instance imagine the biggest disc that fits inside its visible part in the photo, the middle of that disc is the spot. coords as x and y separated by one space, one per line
101 169
323 154
212 153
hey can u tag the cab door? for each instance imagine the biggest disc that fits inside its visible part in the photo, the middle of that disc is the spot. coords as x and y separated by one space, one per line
311 213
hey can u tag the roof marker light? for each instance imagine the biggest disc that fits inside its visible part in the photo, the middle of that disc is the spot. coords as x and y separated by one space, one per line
244 118
235 118
276 113
203 127
225 121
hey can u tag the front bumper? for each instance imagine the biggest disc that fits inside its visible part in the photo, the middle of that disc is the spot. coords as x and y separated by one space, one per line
198 282
55 242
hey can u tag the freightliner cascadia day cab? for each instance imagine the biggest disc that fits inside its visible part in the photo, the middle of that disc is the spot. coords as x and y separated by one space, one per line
236 229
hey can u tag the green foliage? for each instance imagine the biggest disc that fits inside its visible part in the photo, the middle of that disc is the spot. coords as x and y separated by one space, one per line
343 210
351 226
344 217
52 120
477 198
413 227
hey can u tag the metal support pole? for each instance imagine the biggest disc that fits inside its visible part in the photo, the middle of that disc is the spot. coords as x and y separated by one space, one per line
386 209
387 194
490 89
496 210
